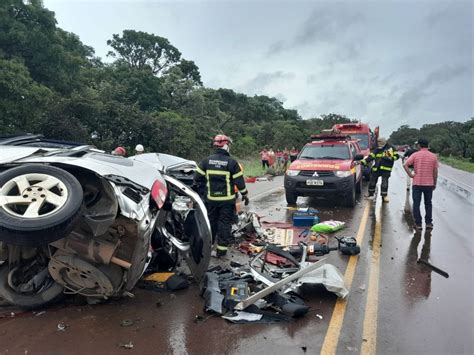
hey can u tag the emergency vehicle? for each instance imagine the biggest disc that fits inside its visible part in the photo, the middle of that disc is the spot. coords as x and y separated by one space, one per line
326 168
362 132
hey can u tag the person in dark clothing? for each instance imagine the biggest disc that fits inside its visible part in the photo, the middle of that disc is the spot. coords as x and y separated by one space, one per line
383 156
220 173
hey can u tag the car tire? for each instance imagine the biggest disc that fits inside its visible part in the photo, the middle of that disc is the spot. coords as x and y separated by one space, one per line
52 205
350 198
47 295
291 197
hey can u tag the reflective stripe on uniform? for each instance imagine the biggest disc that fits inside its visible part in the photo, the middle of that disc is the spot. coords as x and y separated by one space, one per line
235 176
380 155
229 195
221 247
244 191
200 171
386 168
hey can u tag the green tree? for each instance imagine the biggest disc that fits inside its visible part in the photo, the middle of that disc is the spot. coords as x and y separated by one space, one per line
23 102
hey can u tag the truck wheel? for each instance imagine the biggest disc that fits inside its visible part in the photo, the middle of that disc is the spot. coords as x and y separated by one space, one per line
291 197
39 204
350 198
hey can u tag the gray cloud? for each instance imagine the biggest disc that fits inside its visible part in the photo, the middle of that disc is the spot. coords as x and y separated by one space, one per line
262 80
280 97
412 96
324 25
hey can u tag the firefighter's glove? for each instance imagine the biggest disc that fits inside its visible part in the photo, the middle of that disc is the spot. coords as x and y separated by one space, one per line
245 199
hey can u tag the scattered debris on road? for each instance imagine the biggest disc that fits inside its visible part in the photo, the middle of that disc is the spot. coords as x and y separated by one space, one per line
128 345
126 323
62 326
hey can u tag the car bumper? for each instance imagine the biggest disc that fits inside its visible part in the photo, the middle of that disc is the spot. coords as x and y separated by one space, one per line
331 186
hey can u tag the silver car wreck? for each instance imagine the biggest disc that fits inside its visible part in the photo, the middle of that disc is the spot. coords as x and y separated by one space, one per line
76 220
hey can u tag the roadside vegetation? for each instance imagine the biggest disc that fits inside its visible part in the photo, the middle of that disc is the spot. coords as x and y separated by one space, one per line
459 163
453 141
52 83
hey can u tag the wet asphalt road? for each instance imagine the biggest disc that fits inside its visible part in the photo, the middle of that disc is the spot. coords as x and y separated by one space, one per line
411 309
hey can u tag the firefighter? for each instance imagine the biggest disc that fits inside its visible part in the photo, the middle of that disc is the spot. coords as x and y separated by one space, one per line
221 172
383 156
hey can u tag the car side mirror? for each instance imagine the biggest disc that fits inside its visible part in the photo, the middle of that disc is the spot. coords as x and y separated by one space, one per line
358 157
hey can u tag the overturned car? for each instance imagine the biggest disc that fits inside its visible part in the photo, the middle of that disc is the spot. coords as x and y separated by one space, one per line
74 220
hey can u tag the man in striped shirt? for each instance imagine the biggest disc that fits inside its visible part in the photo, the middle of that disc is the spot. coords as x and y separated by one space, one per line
425 176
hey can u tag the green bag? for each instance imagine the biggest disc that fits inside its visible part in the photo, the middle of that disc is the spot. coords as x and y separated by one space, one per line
328 226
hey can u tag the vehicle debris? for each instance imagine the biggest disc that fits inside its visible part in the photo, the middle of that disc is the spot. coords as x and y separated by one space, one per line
62 326
434 268
128 345
92 218
127 323
284 258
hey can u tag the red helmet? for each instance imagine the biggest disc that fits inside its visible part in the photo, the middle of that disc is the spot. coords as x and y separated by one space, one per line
221 140
120 151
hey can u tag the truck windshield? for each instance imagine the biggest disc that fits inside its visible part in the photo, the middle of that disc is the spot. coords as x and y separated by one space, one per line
339 152
363 139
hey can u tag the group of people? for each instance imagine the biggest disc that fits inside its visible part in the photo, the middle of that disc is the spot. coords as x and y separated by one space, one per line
420 164
222 178
121 151
278 159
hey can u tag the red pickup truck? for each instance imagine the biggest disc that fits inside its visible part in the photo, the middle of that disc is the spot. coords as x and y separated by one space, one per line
326 168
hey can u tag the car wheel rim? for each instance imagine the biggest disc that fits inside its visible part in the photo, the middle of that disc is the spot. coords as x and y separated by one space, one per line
33 195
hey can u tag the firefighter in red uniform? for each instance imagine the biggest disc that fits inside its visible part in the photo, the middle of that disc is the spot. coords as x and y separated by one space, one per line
221 172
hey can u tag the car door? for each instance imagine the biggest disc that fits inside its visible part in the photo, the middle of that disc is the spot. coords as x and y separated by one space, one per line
355 149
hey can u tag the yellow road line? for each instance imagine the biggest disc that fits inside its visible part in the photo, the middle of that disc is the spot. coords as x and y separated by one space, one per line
334 330
369 334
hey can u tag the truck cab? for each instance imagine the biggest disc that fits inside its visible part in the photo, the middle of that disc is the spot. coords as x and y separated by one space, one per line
366 137
326 167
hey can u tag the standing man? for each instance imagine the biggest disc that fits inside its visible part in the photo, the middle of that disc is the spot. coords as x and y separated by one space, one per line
425 176
221 172
264 158
293 154
383 156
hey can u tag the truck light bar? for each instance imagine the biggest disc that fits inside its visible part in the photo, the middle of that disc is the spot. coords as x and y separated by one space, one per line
348 125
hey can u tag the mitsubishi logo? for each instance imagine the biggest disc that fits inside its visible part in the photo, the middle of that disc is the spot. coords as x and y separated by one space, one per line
315 174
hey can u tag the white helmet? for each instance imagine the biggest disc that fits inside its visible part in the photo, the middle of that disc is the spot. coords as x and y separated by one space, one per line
139 148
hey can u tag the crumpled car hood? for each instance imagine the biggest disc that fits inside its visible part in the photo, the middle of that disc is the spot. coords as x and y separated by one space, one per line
164 162
139 172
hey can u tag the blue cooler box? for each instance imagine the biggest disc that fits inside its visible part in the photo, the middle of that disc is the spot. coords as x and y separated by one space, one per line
304 219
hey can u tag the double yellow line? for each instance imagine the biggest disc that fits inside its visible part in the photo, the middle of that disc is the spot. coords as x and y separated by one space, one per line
331 339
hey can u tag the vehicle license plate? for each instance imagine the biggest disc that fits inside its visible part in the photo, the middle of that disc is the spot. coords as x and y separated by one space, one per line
315 182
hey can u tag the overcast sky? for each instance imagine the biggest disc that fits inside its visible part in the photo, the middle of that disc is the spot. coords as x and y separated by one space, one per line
385 62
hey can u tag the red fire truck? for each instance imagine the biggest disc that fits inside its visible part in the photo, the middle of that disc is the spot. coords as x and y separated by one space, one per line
366 137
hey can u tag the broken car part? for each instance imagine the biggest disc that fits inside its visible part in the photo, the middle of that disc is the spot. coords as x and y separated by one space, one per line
265 292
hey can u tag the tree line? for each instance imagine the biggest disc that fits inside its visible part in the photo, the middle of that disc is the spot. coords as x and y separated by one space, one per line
446 138
52 83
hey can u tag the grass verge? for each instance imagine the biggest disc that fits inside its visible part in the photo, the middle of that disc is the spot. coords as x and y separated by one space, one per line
252 166
458 163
